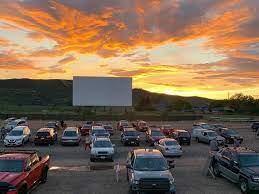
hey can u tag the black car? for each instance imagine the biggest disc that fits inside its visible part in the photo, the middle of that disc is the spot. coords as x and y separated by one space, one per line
53 124
182 136
130 137
45 136
239 165
255 126
230 135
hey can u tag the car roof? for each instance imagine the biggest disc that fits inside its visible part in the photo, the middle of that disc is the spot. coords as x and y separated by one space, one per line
15 156
102 139
44 129
147 153
71 129
129 129
19 128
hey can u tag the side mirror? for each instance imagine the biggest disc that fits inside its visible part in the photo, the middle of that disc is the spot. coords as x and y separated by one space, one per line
171 164
128 166
27 169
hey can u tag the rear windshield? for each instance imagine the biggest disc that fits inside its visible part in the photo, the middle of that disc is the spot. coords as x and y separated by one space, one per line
171 143
43 134
11 165
99 132
70 133
131 133
184 134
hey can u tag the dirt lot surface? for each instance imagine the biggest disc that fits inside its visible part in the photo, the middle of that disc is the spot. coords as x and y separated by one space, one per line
72 172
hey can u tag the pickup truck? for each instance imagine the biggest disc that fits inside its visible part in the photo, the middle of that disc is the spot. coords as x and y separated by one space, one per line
22 170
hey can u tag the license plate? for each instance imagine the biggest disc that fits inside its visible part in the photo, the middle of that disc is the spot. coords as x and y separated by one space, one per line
132 142
42 138
184 138
102 157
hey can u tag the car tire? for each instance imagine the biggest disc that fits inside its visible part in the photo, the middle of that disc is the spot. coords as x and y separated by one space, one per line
243 184
189 143
44 175
23 190
92 160
216 171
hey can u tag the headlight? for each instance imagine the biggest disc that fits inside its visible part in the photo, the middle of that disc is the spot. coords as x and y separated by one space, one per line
255 178
136 182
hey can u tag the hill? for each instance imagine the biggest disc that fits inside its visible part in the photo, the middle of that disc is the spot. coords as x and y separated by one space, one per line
59 93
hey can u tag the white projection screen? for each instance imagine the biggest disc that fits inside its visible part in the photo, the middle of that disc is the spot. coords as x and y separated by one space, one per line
102 91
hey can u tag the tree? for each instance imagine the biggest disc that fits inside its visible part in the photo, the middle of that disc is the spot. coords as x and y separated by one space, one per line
242 103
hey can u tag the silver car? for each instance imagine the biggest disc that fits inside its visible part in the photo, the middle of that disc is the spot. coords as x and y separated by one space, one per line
102 148
18 136
169 147
71 136
208 135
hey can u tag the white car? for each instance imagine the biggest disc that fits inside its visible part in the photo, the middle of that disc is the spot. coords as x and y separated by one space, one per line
71 136
196 132
169 147
208 135
14 123
102 148
18 136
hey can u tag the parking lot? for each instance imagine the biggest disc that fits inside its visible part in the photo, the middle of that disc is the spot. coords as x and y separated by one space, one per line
72 172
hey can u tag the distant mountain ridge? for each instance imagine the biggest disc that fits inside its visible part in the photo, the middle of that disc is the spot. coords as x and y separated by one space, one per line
59 92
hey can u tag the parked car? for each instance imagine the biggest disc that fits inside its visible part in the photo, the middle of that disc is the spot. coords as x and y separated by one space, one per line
217 126
18 136
18 122
89 123
255 126
102 148
154 135
208 135
8 120
45 136
121 124
239 165
167 129
130 136
85 129
169 147
98 131
71 136
142 126
109 129
203 126
149 171
20 171
230 135
53 124
182 136
197 132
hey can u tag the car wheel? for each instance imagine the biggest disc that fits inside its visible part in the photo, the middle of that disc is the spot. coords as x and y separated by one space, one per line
23 190
244 186
198 140
92 159
216 170
44 175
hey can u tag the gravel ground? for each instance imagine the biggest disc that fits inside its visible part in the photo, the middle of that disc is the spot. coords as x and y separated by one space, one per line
72 172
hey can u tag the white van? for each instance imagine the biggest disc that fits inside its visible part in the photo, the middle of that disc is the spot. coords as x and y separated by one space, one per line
196 132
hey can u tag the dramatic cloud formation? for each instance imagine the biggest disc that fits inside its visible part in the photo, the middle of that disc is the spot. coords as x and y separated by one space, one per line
183 47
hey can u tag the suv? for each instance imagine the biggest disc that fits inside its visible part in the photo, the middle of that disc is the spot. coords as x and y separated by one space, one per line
20 171
182 136
45 136
230 135
18 136
154 135
101 148
255 126
130 136
148 170
71 136
14 123
239 165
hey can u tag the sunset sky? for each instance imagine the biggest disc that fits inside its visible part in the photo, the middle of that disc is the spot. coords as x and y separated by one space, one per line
181 47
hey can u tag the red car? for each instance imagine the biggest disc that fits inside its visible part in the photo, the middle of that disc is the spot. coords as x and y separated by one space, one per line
85 129
21 170
167 129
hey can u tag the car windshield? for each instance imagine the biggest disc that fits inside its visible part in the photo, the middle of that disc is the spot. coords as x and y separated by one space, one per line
16 133
231 132
131 133
70 133
206 126
184 134
150 164
98 132
156 133
249 160
11 165
102 144
212 134
171 143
